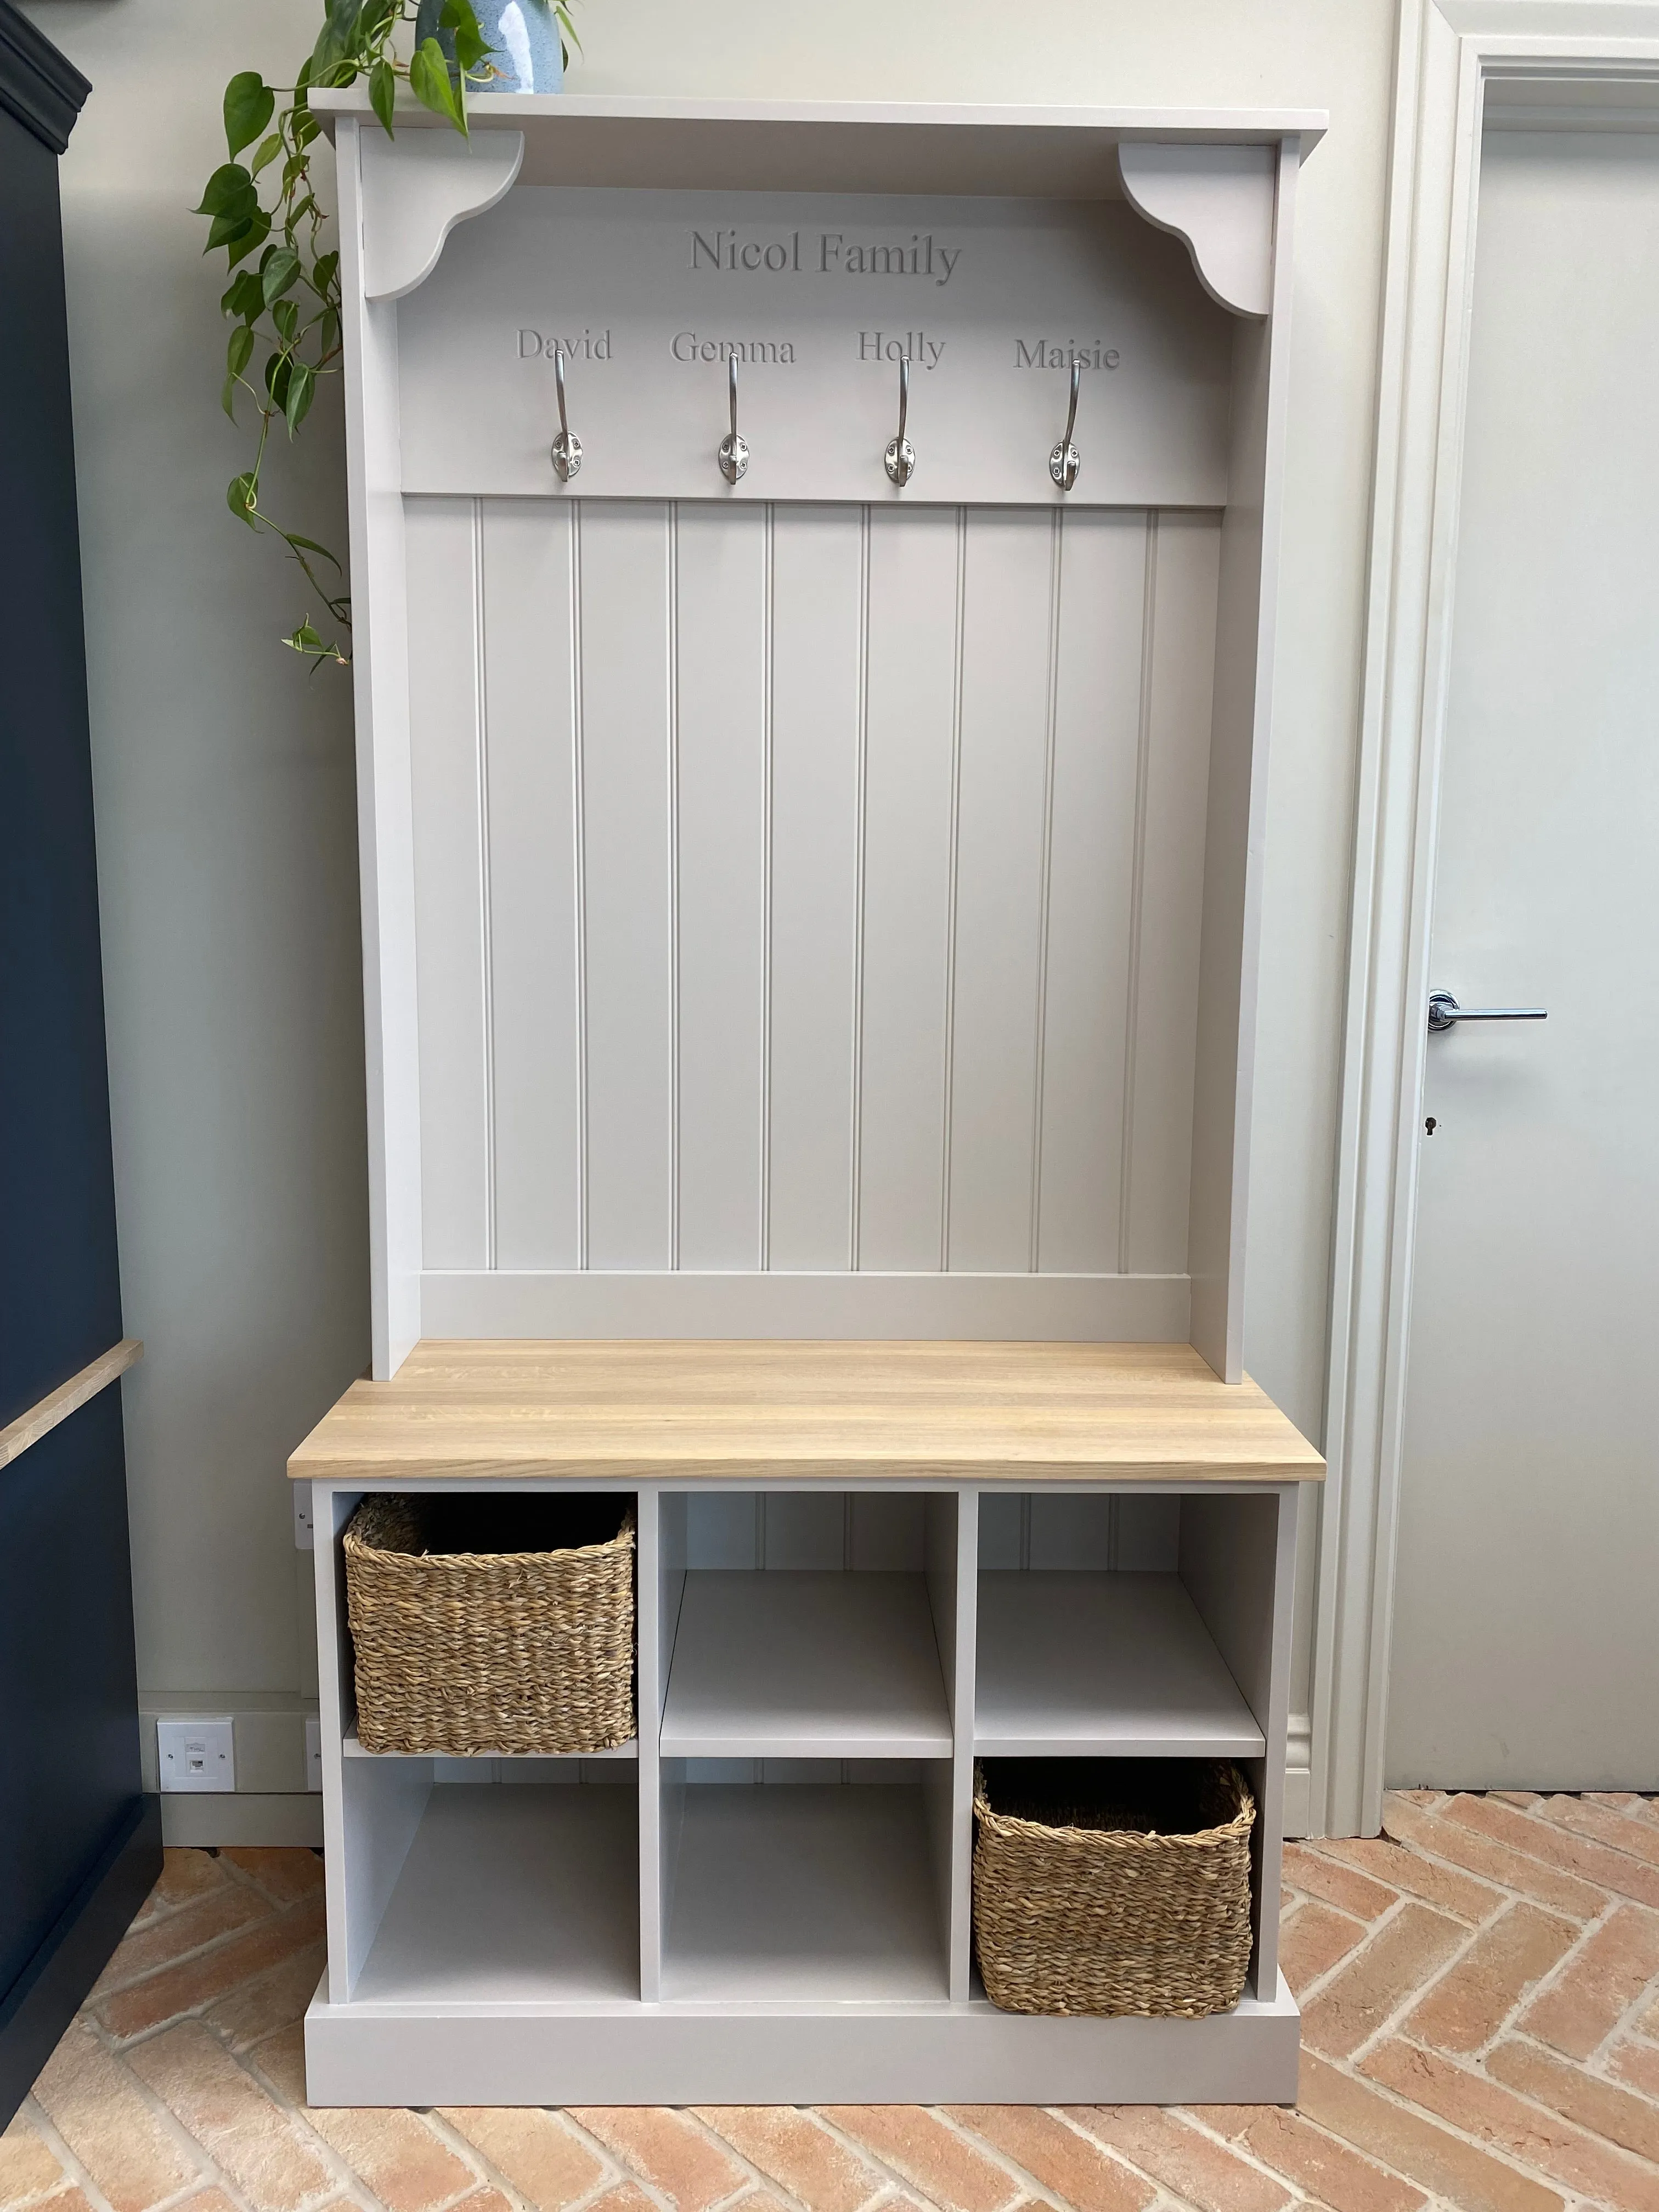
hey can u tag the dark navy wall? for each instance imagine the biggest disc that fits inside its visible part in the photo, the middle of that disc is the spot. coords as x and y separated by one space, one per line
66 1664
60 1296
79 1844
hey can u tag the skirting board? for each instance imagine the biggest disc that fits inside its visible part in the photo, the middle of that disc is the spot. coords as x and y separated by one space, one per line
714 2054
213 1818
988 1308
1298 1777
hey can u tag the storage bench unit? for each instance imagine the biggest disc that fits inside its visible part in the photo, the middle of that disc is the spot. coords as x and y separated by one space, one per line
850 1583
809 929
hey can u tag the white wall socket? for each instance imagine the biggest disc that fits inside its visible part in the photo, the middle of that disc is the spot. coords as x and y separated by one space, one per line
304 1534
196 1754
313 1750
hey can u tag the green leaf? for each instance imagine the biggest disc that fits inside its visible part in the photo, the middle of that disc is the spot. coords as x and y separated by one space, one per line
229 188
316 649
310 545
225 228
301 389
278 273
242 496
383 93
324 270
279 370
268 149
249 104
250 239
240 351
246 299
456 17
286 317
429 80
334 40
375 18
328 334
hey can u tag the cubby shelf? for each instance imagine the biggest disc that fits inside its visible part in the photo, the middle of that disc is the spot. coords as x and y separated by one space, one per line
1077 1663
805 1665
513 1895
799 1891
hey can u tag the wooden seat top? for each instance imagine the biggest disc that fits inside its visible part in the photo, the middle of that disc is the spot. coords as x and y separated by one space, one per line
784 1411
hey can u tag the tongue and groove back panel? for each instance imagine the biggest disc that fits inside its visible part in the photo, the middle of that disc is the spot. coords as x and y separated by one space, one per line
807 889
812 884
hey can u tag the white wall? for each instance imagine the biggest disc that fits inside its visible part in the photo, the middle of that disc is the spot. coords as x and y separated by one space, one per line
223 771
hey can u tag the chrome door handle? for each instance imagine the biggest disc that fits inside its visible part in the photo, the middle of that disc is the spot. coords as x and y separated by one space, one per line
1445 1013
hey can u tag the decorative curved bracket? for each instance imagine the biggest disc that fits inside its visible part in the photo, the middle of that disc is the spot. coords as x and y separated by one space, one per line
1221 200
416 188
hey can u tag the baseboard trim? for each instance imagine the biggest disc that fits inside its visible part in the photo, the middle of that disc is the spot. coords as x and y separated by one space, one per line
1298 1775
214 1819
50 1989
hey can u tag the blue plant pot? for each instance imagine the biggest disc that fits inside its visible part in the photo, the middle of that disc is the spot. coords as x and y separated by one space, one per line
524 35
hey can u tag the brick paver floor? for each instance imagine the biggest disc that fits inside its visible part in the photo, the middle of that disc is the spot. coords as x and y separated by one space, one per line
1480 1989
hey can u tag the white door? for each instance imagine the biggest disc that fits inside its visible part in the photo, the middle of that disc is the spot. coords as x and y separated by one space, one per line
1526 1632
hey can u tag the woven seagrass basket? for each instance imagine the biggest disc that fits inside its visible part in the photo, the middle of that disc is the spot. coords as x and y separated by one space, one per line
492 1624
1112 1886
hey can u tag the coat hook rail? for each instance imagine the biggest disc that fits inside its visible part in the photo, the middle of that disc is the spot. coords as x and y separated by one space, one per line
899 458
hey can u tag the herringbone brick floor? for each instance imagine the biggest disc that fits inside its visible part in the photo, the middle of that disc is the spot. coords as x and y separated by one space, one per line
1481 1998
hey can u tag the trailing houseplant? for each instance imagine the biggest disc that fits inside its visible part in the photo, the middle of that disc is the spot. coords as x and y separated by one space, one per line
283 299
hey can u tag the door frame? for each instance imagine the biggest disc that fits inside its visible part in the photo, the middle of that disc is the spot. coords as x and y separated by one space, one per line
1541 65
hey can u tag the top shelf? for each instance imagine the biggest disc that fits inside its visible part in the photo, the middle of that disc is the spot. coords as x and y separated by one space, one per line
771 1412
890 146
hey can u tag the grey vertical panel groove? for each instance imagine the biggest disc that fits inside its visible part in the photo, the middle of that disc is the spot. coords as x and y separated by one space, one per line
959 652
1137 883
767 625
481 743
857 1208
578 875
1056 542
672 567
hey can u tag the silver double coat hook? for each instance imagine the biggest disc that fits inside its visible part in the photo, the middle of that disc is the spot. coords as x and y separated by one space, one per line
900 459
733 455
1064 461
567 446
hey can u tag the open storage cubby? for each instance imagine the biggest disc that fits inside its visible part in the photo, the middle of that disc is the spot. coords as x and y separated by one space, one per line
792 1888
807 1625
522 1892
810 925
1112 1624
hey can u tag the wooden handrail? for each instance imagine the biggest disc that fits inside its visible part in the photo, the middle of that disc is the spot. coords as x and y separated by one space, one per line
57 1404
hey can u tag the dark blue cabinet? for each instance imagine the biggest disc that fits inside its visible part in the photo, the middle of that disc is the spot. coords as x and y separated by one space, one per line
79 1843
